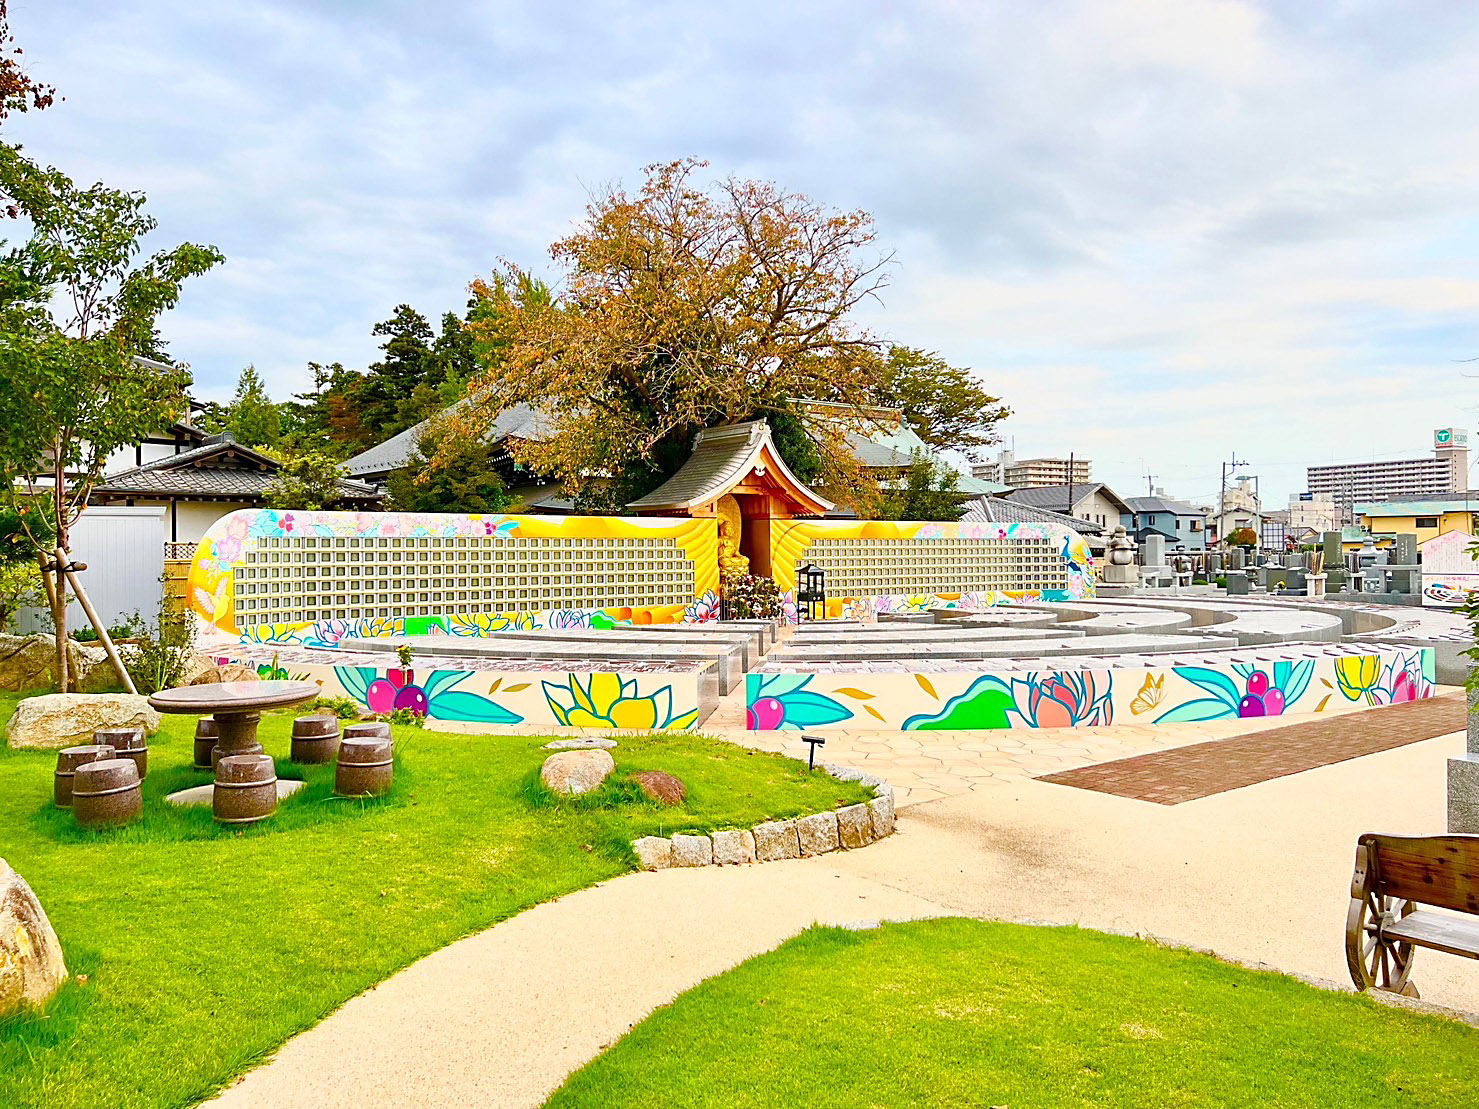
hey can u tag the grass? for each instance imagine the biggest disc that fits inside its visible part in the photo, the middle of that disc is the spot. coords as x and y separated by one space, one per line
198 950
966 1013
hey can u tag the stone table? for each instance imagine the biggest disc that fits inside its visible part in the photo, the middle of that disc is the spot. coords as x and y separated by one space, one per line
237 708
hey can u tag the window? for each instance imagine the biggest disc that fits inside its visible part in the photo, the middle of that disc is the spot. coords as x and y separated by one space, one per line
1178 523
1426 522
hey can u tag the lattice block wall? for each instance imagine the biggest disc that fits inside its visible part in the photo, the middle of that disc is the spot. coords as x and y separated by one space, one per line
292 580
871 567
882 559
269 569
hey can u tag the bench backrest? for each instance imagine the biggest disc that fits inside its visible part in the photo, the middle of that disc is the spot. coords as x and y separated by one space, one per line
1435 870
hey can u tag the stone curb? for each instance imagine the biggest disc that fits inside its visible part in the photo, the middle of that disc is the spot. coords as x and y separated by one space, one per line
843 829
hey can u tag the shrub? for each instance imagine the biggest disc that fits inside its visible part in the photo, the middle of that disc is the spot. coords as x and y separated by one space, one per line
159 653
1221 582
752 598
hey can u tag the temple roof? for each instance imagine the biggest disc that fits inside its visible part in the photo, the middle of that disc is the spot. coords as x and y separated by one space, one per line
219 469
722 458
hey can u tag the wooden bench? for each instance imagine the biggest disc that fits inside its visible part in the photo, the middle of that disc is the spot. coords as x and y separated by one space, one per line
1394 875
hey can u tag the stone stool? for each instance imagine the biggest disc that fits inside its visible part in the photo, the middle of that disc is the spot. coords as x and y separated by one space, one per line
206 734
107 793
127 743
246 789
365 765
315 739
68 759
368 728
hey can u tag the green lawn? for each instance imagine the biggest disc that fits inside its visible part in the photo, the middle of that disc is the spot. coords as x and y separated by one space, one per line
966 1013
204 948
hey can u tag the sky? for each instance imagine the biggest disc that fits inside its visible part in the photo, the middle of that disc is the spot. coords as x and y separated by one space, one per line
1167 233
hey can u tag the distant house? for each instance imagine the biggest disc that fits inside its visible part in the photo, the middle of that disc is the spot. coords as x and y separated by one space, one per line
1095 502
1182 525
1425 517
198 486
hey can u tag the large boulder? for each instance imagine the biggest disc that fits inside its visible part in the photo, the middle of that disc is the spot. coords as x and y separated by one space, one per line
29 662
58 720
575 772
659 786
226 672
31 963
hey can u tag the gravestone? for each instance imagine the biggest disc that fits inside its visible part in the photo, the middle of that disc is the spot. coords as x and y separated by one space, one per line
1235 560
1238 584
1336 574
1404 552
1153 551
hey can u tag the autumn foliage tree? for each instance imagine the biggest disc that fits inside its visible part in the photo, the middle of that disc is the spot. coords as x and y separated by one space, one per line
19 91
682 307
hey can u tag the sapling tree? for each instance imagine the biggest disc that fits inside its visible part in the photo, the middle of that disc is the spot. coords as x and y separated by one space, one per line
77 309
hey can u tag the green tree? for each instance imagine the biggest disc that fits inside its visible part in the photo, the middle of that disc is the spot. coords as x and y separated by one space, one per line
930 491
448 473
682 308
252 418
76 309
943 404
307 482
1242 537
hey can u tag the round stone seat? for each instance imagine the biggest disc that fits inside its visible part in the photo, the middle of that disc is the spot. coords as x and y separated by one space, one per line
246 789
107 793
206 736
315 739
68 759
127 743
365 766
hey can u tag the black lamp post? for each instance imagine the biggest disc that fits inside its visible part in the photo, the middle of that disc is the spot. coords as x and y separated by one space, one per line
811 595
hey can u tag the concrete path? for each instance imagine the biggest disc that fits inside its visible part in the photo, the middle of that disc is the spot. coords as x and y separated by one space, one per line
1259 874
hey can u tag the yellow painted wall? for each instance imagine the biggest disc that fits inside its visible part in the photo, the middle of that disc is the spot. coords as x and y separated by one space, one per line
1400 525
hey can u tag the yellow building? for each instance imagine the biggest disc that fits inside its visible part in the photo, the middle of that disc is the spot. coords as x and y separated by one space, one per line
1427 519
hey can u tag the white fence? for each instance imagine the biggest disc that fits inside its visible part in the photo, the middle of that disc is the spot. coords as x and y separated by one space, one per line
124 552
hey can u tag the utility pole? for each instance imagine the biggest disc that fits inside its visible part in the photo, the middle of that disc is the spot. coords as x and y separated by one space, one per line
1222 495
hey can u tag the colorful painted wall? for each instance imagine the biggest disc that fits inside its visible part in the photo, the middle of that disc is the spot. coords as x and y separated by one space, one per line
536 698
901 566
969 701
317 577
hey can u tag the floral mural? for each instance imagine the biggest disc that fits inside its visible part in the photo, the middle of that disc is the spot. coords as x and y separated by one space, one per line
437 696
606 701
966 701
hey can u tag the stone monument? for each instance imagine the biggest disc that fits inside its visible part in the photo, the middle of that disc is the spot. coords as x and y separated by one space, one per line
1336 575
1119 559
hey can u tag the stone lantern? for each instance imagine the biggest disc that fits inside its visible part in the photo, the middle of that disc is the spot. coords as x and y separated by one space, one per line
1120 557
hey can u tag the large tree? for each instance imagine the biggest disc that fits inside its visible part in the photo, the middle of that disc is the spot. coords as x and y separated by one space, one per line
682 307
76 310
448 473
944 404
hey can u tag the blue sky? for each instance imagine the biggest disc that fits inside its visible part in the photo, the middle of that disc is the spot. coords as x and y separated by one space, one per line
1162 230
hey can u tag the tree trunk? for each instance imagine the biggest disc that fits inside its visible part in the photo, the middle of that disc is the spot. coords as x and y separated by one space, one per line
59 595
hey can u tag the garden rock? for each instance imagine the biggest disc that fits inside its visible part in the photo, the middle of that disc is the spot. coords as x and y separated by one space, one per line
881 808
734 846
653 852
31 963
580 744
855 826
575 772
28 662
692 850
776 839
226 672
58 720
661 787
817 833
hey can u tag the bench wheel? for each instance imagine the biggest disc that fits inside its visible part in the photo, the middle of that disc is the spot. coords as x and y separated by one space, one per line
1374 960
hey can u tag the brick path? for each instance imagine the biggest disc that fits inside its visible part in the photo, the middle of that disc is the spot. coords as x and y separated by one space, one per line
1202 769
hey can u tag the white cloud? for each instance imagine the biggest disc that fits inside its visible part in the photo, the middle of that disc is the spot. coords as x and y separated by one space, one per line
1161 229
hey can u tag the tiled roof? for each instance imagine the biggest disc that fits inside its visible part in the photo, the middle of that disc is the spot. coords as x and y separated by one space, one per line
1055 497
519 422
721 457
220 467
1140 505
1000 510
